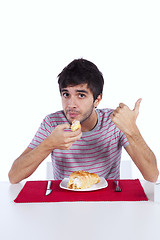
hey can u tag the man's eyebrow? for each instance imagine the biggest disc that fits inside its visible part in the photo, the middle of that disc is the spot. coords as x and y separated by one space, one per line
64 90
82 91
78 90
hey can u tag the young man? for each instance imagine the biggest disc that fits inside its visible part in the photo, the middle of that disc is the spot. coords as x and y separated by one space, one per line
97 146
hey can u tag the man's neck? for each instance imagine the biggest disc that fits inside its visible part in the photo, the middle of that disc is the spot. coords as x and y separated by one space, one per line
90 123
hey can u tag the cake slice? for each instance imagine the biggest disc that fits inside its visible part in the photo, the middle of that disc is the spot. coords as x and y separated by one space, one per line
81 180
75 125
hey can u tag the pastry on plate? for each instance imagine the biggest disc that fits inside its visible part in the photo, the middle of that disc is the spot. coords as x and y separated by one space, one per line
81 180
75 125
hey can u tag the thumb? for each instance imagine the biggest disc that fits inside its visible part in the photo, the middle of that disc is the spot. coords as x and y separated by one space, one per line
137 105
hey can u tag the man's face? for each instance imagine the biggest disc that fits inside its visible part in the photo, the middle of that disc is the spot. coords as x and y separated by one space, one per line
78 103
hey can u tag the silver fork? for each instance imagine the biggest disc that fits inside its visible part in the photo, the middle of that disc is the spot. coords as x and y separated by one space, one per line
118 189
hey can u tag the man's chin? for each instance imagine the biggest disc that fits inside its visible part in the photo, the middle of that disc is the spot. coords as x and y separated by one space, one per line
72 118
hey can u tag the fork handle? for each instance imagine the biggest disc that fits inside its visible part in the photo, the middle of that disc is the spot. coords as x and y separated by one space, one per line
116 182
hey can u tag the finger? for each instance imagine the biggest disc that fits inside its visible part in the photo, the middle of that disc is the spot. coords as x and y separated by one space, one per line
137 105
74 138
64 126
72 134
112 115
117 109
121 105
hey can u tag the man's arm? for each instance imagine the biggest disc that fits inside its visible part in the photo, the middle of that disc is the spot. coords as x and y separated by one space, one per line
141 154
30 159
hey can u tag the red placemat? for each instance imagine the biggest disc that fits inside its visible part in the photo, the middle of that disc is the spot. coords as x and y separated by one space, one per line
34 191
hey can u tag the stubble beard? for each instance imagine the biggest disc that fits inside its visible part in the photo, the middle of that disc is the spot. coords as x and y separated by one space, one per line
88 114
85 116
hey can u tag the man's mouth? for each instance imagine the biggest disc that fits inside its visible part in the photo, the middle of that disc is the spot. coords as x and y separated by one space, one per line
72 114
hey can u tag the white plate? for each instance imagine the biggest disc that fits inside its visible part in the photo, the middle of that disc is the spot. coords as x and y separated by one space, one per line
102 184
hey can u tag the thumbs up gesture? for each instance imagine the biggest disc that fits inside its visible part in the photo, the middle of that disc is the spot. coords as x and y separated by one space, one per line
125 118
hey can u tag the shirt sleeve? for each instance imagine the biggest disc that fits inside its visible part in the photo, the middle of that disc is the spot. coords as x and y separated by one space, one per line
123 140
44 131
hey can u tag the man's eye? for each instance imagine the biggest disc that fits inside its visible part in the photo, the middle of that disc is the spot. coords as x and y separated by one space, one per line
65 94
81 95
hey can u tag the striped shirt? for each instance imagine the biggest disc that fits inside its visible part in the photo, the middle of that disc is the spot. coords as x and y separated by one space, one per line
98 150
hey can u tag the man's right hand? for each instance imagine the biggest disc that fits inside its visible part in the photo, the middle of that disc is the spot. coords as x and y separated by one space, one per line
62 139
30 159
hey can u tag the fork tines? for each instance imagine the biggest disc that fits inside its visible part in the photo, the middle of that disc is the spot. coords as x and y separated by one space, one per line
118 189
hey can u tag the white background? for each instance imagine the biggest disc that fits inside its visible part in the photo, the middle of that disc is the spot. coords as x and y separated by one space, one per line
39 38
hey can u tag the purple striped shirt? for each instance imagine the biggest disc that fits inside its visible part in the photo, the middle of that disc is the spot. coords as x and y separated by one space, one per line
98 150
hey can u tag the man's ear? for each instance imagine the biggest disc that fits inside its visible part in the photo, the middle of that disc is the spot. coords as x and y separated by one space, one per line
97 101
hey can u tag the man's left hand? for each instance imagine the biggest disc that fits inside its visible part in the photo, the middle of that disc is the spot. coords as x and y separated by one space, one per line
125 118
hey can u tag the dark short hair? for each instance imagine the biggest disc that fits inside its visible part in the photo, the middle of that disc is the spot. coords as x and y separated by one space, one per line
81 71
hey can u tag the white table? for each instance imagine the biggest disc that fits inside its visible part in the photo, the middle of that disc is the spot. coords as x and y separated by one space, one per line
78 220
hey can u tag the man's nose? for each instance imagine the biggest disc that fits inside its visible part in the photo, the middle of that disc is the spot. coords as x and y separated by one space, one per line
72 102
